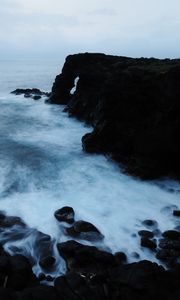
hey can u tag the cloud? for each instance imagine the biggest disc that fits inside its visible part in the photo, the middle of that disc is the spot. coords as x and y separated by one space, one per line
49 27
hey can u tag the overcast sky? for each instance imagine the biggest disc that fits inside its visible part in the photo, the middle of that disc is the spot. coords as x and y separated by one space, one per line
53 28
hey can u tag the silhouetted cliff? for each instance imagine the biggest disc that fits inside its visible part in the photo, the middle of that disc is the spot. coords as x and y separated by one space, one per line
133 105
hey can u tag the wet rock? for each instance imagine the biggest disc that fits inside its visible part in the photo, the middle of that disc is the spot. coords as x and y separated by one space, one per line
150 223
36 97
135 255
176 213
8 221
43 245
169 256
34 93
49 278
47 262
120 257
177 228
65 214
20 273
146 234
85 259
171 234
169 244
147 243
84 230
41 277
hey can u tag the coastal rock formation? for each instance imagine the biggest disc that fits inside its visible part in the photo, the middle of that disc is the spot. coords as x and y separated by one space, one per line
34 93
133 106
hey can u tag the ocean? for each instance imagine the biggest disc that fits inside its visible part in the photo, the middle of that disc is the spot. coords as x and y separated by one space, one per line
43 168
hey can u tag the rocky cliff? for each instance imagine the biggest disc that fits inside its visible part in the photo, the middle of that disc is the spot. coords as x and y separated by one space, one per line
133 106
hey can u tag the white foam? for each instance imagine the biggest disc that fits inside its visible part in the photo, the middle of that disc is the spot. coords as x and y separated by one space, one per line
45 160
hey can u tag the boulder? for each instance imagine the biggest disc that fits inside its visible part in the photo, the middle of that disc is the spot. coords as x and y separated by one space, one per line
65 214
85 259
147 243
176 213
146 234
84 230
150 223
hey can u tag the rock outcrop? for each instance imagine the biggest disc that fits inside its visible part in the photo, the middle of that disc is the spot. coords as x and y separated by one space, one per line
133 105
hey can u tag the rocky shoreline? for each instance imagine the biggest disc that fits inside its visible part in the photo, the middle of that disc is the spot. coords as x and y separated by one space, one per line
133 105
91 273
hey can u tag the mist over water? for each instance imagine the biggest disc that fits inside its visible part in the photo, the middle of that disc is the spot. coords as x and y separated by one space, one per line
43 167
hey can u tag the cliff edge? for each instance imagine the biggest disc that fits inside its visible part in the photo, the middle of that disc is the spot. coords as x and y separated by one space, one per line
133 106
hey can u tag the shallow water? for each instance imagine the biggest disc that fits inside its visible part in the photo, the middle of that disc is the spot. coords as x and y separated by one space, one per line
43 167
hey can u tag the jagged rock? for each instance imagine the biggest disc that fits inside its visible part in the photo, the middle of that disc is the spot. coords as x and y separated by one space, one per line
84 230
65 214
176 213
34 93
147 243
9 221
169 244
171 234
146 234
85 259
133 105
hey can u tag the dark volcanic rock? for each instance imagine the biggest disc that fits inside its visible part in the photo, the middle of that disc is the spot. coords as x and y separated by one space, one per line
150 223
133 105
47 262
34 93
145 242
146 234
171 234
85 259
84 230
176 213
65 214
36 97
120 257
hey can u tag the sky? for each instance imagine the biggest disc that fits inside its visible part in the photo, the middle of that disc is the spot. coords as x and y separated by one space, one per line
53 28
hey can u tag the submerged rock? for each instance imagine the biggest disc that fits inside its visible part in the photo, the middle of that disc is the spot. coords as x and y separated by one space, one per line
65 214
84 230
150 223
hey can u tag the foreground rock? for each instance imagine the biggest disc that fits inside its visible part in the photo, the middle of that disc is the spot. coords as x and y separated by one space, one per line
65 214
85 259
92 275
84 230
133 105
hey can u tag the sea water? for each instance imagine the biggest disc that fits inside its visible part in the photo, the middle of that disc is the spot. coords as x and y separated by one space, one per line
43 168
